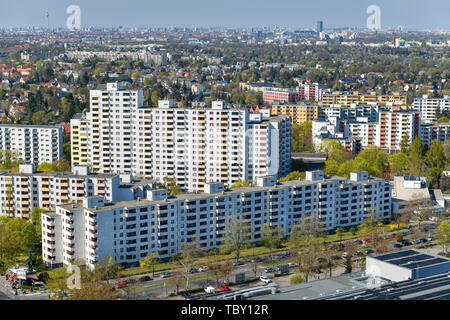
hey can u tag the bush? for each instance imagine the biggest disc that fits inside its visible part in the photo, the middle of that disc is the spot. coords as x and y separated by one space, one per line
399 237
296 279
353 231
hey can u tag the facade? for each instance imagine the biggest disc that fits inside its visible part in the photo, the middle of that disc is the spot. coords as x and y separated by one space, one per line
194 146
427 107
386 133
27 189
280 95
129 230
310 92
32 144
439 131
298 113
345 99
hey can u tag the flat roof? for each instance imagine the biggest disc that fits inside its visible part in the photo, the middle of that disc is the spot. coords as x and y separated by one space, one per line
233 191
411 259
317 288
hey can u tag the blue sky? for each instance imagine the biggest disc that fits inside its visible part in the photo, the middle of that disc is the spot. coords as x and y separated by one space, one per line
412 14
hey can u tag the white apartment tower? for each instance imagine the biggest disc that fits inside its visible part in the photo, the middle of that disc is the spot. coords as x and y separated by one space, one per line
32 144
194 146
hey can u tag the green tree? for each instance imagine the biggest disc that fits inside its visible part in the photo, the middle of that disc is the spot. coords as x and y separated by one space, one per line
436 159
150 261
417 148
305 241
398 163
443 235
404 144
294 175
240 183
272 237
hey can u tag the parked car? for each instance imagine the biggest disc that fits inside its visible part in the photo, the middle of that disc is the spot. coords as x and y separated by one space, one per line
268 269
224 288
369 251
265 279
145 278
406 243
237 263
393 235
256 259
185 295
292 264
318 271
203 269
121 284
192 270
286 254
430 239
165 274
210 290
398 245
276 268
422 240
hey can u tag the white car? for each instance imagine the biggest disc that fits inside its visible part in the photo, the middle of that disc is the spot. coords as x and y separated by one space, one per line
203 269
210 289
265 279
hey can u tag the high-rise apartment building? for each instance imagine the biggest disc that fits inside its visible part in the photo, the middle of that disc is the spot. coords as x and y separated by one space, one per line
427 107
194 146
32 144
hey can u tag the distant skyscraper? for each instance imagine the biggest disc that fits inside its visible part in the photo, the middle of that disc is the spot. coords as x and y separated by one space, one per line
319 27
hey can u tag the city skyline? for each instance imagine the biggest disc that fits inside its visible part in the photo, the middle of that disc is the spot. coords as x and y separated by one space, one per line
232 14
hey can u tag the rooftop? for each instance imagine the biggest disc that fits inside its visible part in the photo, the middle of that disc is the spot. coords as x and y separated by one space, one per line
411 259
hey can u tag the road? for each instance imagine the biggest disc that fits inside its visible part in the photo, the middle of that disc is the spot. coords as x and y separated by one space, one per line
7 293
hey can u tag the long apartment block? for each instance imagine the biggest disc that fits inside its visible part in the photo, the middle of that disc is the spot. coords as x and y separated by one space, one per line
345 99
192 145
26 189
32 144
386 132
129 230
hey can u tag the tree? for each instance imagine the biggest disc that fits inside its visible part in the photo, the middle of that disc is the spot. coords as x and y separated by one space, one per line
437 161
171 185
240 183
296 279
417 148
236 234
107 269
11 246
301 136
398 163
272 237
189 253
443 235
404 144
26 231
294 175
340 234
330 145
305 241
150 261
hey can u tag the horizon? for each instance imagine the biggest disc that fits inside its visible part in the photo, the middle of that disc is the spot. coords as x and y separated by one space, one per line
234 14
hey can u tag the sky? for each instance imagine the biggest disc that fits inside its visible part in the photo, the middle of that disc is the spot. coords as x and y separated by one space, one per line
411 14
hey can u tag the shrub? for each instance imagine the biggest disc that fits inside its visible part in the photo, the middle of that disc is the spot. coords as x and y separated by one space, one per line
296 279
399 237
353 231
